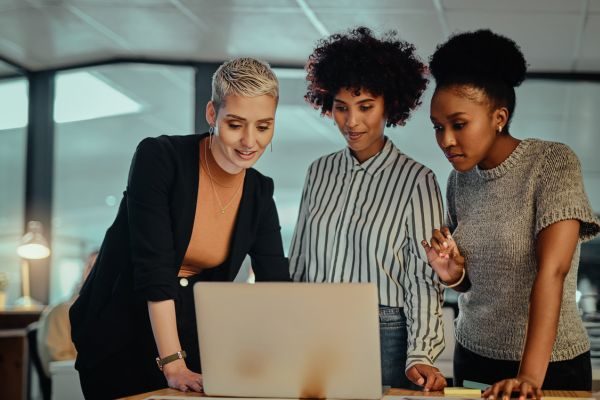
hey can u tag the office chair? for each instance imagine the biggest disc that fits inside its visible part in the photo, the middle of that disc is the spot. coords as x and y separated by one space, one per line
34 359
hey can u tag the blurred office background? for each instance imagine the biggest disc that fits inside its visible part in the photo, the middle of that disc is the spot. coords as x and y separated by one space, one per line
83 81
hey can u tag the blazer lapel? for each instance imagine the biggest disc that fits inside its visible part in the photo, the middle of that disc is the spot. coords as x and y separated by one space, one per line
192 164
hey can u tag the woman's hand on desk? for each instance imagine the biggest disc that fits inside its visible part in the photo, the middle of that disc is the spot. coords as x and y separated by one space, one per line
427 376
504 388
181 378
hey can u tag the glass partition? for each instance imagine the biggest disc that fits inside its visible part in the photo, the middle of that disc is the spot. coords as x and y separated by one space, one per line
101 114
13 140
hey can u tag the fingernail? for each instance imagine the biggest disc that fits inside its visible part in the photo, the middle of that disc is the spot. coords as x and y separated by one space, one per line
449 236
426 390
421 381
445 244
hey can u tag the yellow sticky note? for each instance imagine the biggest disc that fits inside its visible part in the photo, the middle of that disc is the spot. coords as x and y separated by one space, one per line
461 391
566 398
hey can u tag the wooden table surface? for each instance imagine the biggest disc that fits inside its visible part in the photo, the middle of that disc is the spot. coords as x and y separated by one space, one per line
392 392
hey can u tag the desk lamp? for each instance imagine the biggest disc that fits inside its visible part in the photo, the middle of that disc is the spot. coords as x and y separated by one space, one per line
34 246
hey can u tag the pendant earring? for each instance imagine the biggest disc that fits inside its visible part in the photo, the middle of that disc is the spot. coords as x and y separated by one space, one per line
271 146
211 132
499 128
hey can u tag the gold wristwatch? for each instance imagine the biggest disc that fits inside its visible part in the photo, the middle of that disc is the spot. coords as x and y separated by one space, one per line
161 362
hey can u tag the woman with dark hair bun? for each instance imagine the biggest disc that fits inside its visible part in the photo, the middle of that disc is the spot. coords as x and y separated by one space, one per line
517 213
365 208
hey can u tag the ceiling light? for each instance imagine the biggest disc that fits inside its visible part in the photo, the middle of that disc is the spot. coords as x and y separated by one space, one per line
82 96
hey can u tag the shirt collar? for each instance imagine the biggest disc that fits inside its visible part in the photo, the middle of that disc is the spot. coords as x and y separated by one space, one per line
378 162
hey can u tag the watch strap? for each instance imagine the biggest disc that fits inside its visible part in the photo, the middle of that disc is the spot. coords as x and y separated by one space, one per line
161 362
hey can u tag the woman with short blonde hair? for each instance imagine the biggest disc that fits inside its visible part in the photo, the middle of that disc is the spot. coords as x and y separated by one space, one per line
193 209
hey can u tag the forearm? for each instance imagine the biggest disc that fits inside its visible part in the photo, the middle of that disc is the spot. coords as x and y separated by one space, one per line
544 312
164 327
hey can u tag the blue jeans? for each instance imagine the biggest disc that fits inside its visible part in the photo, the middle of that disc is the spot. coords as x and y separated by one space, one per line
393 337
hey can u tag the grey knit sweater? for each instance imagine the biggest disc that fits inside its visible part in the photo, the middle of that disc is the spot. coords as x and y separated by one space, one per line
495 216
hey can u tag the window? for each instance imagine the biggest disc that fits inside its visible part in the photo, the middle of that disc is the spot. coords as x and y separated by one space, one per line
101 114
13 134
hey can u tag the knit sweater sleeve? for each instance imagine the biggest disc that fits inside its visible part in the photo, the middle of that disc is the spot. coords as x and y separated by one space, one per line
560 194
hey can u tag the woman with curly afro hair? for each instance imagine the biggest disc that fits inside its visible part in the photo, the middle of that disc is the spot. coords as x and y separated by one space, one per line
365 208
517 213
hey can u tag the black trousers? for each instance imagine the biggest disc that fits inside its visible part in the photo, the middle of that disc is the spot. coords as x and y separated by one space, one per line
132 369
574 374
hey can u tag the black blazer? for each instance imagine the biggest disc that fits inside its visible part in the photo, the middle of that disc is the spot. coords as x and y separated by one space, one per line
143 249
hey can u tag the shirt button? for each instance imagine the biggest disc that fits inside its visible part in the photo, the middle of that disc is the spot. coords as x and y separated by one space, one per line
183 282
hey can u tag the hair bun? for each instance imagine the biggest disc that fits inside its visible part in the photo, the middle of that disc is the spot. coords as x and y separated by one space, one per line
481 54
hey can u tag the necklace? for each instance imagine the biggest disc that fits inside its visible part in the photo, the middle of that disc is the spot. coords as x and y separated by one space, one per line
222 207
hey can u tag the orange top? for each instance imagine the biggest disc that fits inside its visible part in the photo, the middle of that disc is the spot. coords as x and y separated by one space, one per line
219 195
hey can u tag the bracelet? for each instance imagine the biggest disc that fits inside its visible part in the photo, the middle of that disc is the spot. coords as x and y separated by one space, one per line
455 284
161 362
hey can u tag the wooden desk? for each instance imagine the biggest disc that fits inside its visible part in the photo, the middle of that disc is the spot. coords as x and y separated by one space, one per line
392 392
13 351
19 318
553 393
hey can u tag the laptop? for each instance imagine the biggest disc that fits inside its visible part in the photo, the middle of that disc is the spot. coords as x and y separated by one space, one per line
289 340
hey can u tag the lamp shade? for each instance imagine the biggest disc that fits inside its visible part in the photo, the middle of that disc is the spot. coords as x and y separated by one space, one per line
33 245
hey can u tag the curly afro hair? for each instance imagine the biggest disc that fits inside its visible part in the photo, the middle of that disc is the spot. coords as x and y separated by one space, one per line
357 61
484 60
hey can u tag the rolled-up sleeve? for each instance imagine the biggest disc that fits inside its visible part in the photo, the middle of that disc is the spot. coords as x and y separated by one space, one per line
423 295
149 216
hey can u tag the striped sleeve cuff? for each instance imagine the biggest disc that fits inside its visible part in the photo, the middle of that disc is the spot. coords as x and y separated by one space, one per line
412 360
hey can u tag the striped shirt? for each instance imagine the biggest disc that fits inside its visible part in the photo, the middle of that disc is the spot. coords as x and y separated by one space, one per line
364 223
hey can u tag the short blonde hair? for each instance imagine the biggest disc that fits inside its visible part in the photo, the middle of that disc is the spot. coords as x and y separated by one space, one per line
243 76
